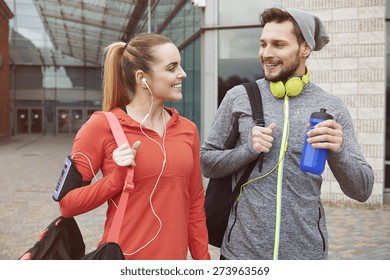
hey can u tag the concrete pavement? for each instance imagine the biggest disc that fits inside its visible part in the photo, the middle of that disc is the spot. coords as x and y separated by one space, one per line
30 166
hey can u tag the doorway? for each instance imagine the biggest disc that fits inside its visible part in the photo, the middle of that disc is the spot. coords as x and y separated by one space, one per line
70 120
29 120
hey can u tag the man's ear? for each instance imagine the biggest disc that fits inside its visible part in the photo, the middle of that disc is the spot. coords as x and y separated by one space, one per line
305 50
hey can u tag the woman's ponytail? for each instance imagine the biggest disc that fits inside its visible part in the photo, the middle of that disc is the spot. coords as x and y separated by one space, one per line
115 88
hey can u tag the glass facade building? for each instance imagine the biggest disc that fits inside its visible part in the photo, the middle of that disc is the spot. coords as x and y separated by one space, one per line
57 46
51 91
55 87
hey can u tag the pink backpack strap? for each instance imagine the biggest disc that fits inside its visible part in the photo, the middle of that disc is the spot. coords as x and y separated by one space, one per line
128 187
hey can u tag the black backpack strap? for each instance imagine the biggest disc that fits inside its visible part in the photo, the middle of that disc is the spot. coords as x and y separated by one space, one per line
256 102
244 177
233 136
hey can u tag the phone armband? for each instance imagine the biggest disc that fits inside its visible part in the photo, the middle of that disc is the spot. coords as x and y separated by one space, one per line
70 179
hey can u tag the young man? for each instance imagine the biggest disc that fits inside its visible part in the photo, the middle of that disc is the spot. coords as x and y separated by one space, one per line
279 215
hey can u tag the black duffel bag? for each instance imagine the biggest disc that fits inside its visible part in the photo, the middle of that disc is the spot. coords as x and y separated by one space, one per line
62 240
220 195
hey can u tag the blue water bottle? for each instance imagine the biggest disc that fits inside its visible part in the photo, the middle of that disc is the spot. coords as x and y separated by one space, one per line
313 160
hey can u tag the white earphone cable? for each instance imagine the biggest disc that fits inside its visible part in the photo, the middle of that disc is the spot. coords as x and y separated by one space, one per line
90 164
162 147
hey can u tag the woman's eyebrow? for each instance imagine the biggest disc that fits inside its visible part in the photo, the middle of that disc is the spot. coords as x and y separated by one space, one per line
172 64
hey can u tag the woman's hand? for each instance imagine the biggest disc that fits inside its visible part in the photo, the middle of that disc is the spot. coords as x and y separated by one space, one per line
125 155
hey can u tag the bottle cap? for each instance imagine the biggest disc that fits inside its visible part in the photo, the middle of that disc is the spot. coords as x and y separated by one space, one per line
322 114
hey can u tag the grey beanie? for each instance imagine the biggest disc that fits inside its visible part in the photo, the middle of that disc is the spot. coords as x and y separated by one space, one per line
312 29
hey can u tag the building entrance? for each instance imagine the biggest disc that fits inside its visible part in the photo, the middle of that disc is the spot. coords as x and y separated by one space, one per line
29 120
70 120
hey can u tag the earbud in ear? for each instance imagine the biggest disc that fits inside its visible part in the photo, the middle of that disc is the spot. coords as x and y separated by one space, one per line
143 80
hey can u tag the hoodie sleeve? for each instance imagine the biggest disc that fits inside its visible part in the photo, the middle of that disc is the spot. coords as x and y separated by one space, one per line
92 150
350 168
216 158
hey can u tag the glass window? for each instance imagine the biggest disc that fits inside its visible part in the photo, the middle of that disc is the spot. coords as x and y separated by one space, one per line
77 120
28 77
196 85
56 77
185 23
188 55
72 77
36 120
63 120
189 106
230 13
22 121
93 78
238 58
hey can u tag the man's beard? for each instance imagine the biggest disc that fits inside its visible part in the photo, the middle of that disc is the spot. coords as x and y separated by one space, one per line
285 74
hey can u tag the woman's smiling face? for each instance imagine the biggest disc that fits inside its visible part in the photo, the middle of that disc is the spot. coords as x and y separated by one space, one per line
167 74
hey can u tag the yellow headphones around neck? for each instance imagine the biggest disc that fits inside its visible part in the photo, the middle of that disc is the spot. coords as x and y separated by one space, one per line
293 86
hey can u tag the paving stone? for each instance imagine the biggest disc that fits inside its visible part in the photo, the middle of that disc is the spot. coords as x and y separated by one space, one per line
29 169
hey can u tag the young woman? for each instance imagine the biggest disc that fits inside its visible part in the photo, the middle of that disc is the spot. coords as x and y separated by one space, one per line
165 216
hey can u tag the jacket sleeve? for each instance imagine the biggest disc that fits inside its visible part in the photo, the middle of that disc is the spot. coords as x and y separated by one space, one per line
216 159
197 230
350 168
92 149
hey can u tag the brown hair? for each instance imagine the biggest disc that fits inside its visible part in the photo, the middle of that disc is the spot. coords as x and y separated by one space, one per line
278 15
121 61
